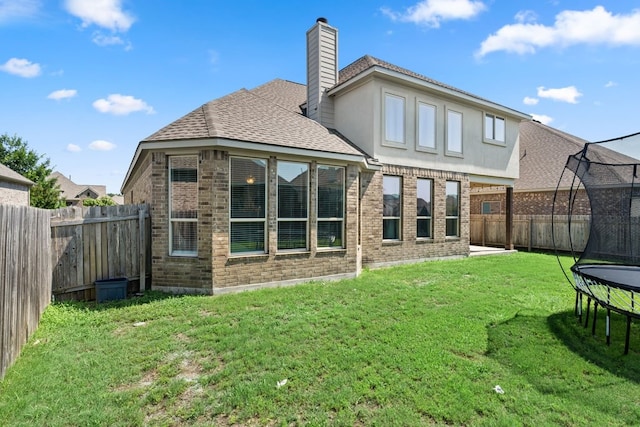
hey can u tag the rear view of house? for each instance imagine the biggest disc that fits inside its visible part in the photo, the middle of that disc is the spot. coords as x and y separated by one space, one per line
370 165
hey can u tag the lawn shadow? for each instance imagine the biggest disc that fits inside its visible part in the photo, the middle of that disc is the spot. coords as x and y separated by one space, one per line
542 348
135 300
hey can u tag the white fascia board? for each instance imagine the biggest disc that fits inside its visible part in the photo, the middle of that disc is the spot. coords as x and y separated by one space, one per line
491 180
414 81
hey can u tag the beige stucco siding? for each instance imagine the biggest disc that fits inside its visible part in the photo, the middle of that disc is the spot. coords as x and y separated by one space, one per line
12 193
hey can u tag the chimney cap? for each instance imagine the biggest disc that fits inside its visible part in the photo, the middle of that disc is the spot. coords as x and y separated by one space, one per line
323 20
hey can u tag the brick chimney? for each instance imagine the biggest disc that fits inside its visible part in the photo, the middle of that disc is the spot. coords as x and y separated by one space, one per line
322 71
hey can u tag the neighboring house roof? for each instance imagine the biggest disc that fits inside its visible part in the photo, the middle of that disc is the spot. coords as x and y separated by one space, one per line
368 62
544 152
263 115
10 175
72 191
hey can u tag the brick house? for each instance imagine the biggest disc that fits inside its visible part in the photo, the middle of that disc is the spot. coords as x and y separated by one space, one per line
14 188
74 193
368 166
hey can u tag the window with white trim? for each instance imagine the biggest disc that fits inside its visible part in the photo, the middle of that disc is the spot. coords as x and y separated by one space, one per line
453 209
424 203
394 118
248 212
330 232
454 132
490 207
391 207
494 128
183 205
426 126
293 205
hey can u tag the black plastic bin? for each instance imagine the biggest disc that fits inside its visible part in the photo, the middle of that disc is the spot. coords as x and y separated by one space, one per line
111 289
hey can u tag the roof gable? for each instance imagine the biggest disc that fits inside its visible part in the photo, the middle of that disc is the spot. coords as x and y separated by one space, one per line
7 174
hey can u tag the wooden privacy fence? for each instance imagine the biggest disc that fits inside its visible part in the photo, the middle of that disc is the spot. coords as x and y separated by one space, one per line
25 276
99 242
531 231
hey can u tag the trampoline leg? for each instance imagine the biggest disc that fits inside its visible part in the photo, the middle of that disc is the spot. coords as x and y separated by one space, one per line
575 309
586 322
626 340
595 317
579 306
608 327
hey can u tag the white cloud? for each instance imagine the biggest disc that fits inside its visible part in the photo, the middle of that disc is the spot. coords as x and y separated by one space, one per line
15 9
73 148
568 94
530 101
103 13
545 120
611 84
121 105
432 12
101 145
571 27
62 94
21 67
526 16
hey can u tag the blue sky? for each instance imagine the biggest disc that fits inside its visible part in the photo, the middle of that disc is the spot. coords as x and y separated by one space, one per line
83 81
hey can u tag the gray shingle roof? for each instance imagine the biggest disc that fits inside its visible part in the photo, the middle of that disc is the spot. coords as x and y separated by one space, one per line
544 152
264 115
7 174
71 191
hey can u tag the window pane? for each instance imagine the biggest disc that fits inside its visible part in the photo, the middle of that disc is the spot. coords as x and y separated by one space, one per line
453 202
488 126
391 229
330 234
499 129
292 235
183 237
394 118
330 192
184 186
248 179
452 227
293 184
426 125
424 228
454 131
391 196
423 202
247 237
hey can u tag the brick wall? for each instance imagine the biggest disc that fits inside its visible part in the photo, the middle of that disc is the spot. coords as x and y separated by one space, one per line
534 203
376 252
14 194
139 189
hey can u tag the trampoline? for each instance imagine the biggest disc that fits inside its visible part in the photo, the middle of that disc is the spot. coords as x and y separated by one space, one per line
606 269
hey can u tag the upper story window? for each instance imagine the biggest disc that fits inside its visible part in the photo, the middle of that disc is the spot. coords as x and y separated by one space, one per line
494 128
454 132
330 206
391 207
293 205
424 203
394 112
183 205
453 209
248 205
426 126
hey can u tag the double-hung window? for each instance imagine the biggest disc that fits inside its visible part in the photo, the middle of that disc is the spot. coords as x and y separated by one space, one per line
424 204
394 118
454 132
391 207
493 128
453 209
183 205
330 206
293 205
248 205
426 126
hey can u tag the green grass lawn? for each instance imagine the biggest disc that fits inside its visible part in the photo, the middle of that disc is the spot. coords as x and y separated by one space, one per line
421 344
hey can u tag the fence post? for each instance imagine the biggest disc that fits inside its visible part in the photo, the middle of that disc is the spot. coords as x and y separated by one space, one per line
143 249
484 226
529 246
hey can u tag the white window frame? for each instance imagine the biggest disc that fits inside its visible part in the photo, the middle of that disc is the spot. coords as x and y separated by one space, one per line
421 133
424 217
395 218
285 219
396 139
491 129
455 129
172 252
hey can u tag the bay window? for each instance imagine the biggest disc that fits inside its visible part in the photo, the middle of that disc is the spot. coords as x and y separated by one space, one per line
293 201
330 206
248 211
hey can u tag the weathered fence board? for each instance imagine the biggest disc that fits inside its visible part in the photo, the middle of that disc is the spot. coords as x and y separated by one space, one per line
96 243
532 231
25 282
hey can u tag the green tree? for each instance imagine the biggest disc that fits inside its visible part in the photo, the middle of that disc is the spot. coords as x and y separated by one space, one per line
17 156
100 201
